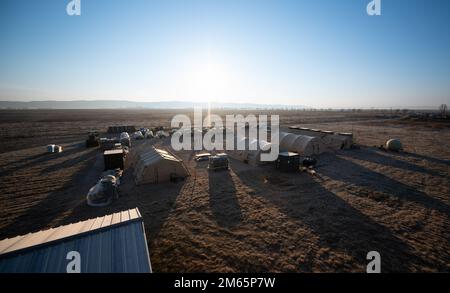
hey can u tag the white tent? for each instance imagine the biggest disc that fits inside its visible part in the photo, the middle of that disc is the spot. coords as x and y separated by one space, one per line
162 134
149 134
302 144
156 165
330 139
261 146
138 135
287 141
240 155
124 135
252 152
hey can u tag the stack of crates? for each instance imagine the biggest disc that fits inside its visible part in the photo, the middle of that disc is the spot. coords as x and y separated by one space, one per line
218 162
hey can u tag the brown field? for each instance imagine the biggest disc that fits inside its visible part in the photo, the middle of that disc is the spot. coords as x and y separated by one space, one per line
249 219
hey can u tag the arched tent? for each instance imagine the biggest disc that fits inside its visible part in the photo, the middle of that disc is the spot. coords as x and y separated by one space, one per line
287 141
241 155
156 165
162 134
335 142
125 139
138 135
254 156
302 144
308 145
252 152
124 135
149 134
331 140
253 144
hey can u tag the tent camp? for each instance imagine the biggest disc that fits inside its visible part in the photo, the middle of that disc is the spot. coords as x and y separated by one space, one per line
301 144
157 165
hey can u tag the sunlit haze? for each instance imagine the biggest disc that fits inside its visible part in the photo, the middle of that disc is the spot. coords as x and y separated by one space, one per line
312 53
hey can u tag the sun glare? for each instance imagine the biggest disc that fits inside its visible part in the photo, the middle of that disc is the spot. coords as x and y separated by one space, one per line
207 80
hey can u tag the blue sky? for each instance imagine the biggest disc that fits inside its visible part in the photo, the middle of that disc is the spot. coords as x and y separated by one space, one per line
319 53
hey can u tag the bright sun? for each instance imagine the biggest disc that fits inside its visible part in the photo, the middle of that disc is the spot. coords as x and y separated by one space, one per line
207 79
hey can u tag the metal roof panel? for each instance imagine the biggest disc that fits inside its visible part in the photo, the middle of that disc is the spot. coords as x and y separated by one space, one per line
110 244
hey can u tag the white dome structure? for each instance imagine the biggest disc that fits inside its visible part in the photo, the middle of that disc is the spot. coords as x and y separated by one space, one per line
394 145
301 144
252 152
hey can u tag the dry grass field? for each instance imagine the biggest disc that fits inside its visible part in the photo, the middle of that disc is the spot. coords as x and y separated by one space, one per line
248 219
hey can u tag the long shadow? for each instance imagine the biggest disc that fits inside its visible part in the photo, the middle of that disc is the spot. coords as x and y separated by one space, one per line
358 175
339 226
201 165
373 156
35 160
154 201
56 203
69 163
223 201
427 158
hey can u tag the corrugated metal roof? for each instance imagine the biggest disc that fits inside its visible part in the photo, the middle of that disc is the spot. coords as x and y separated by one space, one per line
114 243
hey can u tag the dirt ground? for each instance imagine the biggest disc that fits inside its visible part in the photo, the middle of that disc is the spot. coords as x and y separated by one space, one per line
247 219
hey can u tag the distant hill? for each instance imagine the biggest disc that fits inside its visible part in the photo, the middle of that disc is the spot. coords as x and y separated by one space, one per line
121 104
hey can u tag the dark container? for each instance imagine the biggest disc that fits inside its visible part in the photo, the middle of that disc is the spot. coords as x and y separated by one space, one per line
114 159
218 162
288 162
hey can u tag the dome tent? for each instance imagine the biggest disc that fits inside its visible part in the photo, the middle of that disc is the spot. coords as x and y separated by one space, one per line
256 148
252 152
331 140
240 155
138 135
394 145
287 140
301 144
125 139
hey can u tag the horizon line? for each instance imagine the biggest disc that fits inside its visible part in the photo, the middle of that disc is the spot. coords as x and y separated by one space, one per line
244 104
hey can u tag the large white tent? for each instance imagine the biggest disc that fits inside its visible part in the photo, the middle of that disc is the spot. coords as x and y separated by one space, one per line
330 139
302 144
252 152
157 165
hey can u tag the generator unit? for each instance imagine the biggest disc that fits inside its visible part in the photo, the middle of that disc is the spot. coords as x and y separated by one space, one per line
218 162
288 162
